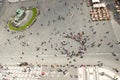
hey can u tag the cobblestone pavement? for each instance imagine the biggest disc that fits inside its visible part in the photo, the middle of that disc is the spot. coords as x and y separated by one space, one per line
47 41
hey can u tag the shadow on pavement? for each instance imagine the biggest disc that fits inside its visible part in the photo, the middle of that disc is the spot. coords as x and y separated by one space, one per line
112 8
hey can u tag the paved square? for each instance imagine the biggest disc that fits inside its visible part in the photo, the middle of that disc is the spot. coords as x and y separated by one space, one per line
51 39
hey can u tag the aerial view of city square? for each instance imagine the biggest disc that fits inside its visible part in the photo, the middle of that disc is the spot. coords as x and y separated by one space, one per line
59 39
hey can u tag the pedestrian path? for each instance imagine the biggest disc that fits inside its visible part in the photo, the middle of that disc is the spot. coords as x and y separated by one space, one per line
12 72
25 71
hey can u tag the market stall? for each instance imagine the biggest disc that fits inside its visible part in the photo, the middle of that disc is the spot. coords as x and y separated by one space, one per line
117 6
99 12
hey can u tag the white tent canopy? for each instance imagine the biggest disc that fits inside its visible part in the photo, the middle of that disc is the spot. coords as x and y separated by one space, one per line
94 1
13 0
16 0
99 5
